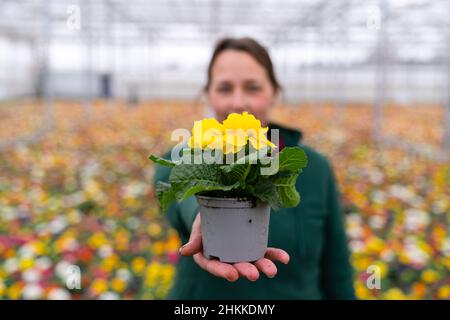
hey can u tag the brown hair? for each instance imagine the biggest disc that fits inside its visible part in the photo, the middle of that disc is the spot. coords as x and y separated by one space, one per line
250 46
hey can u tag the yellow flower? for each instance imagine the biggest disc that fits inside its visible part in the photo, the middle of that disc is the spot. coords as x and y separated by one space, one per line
99 286
158 248
138 264
153 274
97 240
154 230
361 291
240 128
26 264
207 133
394 294
429 276
110 262
14 291
39 248
118 284
231 135
444 292
167 273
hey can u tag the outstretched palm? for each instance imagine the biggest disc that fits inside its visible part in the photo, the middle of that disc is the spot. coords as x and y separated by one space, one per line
231 271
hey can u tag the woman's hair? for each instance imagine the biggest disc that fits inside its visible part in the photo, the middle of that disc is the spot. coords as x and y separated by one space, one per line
250 46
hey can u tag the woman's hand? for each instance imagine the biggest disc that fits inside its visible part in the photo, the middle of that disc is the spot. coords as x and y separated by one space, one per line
229 271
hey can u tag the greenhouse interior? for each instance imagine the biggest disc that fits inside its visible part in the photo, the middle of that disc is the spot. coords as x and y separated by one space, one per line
89 89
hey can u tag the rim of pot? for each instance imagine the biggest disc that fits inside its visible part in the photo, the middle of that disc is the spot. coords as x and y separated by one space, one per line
235 202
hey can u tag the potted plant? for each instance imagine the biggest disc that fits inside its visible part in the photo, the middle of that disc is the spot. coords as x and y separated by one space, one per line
237 174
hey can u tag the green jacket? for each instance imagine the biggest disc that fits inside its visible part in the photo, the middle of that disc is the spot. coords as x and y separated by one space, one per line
312 233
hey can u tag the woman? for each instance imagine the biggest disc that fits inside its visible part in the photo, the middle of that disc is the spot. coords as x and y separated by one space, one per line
314 256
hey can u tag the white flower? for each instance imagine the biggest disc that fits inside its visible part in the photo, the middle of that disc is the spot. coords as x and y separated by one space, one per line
105 251
32 292
388 255
377 221
357 246
43 263
11 265
109 296
31 275
110 225
9 213
26 251
58 294
376 176
354 231
124 274
415 253
74 199
57 225
439 206
354 217
61 269
132 223
446 247
71 244
378 196
401 192
416 219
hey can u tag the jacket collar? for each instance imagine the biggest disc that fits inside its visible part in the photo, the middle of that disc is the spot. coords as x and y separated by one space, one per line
290 137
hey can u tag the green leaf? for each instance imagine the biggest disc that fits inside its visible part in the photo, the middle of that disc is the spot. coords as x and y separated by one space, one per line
162 161
235 173
190 179
291 159
285 188
165 194
265 190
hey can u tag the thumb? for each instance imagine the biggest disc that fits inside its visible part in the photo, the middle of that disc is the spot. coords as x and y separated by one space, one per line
194 245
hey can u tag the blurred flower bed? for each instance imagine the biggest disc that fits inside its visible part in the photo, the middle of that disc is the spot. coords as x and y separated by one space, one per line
83 196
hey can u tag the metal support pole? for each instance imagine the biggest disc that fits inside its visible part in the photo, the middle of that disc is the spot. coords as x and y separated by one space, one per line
380 86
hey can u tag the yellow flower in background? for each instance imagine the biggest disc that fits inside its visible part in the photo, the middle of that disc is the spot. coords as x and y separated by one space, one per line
138 264
26 263
429 276
97 239
118 284
39 248
394 294
109 263
158 248
207 133
444 292
99 286
152 274
173 243
167 273
361 291
154 230
14 291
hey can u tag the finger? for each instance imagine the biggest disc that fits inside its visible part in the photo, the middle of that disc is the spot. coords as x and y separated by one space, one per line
276 254
247 270
217 268
194 245
267 267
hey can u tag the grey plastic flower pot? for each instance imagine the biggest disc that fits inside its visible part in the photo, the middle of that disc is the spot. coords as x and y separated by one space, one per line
234 229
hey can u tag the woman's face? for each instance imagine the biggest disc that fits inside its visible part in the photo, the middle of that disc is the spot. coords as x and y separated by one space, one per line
239 83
